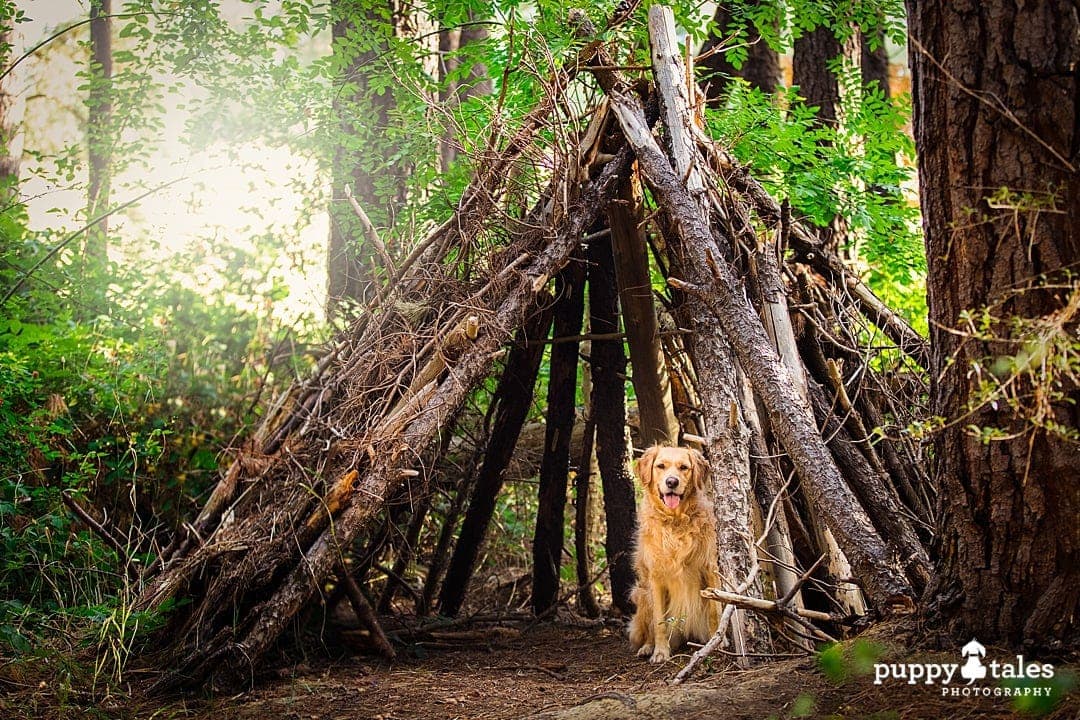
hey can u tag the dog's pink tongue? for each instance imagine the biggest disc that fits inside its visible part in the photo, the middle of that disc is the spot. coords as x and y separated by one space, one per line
672 500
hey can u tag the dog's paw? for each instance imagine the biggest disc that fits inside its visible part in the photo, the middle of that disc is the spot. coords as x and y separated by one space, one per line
660 655
644 651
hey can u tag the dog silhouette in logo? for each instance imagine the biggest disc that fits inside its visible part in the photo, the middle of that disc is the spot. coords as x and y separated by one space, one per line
973 669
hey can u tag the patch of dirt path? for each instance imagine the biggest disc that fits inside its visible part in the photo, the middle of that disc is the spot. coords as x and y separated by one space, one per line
560 672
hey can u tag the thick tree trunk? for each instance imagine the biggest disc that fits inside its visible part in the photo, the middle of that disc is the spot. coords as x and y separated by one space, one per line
561 409
609 409
762 65
512 401
997 128
99 132
818 85
820 88
874 59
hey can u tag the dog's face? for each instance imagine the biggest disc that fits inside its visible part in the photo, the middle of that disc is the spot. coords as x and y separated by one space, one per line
671 475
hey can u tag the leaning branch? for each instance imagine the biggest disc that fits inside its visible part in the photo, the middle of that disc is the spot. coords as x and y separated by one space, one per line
791 417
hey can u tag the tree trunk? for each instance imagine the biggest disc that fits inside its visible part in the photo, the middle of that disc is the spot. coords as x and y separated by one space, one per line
874 59
456 91
761 68
997 129
12 108
609 409
512 402
820 87
368 175
555 467
99 132
656 413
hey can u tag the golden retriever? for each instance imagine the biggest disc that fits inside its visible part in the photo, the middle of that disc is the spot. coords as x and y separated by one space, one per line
676 554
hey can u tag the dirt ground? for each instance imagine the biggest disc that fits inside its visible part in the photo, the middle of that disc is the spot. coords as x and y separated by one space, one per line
559 670
562 670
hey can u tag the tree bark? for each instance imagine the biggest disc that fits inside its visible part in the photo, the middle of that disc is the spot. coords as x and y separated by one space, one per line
761 69
820 87
512 400
99 131
609 409
656 413
369 175
555 467
874 60
997 129
475 84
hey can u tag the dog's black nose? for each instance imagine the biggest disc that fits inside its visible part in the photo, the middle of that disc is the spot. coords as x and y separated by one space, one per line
671 482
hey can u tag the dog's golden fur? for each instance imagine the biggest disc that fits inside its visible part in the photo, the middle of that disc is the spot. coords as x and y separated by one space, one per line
676 553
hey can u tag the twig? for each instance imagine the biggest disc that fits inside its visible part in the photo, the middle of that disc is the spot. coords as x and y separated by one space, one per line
63 243
103 533
718 637
752 603
370 234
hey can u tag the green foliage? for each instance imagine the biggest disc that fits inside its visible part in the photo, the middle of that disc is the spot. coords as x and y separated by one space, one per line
1063 683
856 171
841 662
1037 365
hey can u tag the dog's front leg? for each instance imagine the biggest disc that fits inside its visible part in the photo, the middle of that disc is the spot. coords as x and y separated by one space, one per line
661 626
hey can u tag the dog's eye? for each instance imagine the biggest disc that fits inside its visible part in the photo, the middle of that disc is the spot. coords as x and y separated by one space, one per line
661 465
684 467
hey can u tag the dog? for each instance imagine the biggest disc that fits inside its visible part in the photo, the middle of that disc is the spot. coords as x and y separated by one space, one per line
676 556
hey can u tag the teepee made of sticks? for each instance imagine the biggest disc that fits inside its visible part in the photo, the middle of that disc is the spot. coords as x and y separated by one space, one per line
757 353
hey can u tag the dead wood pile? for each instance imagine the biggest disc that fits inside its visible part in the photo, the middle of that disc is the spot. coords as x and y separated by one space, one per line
759 352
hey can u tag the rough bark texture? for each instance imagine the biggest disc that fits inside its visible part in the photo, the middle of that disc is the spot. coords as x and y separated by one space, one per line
609 409
762 65
875 60
997 106
561 409
512 401
820 88
817 85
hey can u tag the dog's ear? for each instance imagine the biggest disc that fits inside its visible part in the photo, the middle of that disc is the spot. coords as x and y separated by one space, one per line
700 467
644 465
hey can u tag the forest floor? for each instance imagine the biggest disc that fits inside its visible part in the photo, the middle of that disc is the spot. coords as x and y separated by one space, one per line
563 670
572 672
